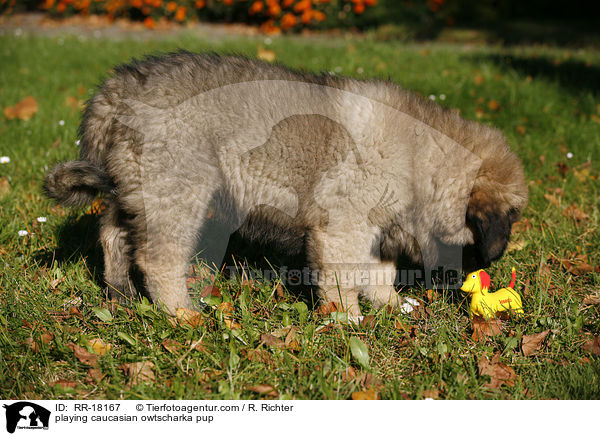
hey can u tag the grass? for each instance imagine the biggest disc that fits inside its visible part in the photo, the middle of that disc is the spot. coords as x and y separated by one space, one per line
545 99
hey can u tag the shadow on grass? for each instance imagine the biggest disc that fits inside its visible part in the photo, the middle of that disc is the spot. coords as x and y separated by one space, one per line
77 238
575 76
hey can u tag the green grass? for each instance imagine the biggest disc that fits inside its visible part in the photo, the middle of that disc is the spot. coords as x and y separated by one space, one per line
50 282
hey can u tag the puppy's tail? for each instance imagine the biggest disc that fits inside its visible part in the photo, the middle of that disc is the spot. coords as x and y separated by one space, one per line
76 183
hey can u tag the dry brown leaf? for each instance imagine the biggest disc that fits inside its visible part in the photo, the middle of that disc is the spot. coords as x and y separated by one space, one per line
552 199
516 246
226 307
494 105
139 372
348 374
582 173
368 322
369 394
83 355
326 309
74 103
431 393
189 317
521 129
576 214
266 55
4 186
259 355
562 168
577 265
99 346
65 383
593 346
232 324
171 346
94 375
264 389
592 298
484 328
272 341
23 110
499 372
532 343
211 291
291 343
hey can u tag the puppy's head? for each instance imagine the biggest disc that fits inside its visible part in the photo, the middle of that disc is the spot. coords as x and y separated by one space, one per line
498 196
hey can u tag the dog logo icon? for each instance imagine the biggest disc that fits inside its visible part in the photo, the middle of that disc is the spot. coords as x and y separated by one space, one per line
26 415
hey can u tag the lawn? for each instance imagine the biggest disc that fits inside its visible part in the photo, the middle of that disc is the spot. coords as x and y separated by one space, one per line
60 339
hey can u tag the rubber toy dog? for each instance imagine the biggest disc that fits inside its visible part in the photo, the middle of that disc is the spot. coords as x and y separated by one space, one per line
487 304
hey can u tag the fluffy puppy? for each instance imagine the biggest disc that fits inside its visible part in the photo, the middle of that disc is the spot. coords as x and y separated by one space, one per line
357 173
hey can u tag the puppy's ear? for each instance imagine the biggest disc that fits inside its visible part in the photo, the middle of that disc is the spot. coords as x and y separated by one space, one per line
491 233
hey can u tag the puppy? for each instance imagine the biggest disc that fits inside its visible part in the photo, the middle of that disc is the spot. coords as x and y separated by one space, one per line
356 173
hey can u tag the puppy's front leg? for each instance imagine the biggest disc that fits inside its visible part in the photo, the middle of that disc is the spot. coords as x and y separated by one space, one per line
340 256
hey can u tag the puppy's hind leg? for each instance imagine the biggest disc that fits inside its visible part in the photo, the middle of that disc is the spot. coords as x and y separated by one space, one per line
114 237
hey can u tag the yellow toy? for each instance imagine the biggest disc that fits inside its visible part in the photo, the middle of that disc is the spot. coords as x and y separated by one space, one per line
487 304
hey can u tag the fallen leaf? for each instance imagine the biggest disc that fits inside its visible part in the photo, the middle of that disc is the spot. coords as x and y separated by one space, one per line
171 346
431 295
493 105
582 174
562 168
291 343
369 394
232 324
139 372
516 246
552 199
264 389
266 55
259 355
348 374
577 265
23 110
95 375
211 291
226 307
65 383
74 103
592 298
272 341
328 308
532 343
189 317
485 328
521 129
576 214
368 322
83 355
499 372
431 393
593 346
4 186
99 346
359 351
